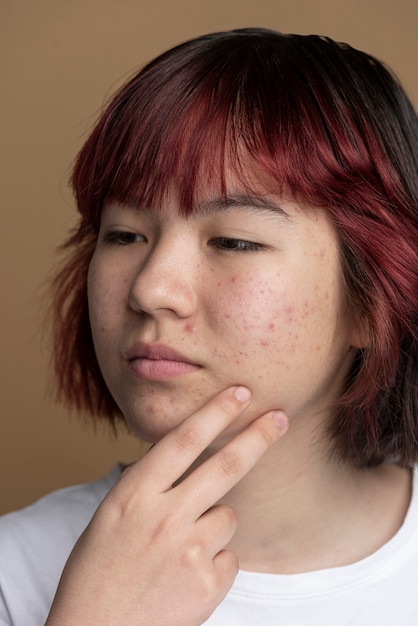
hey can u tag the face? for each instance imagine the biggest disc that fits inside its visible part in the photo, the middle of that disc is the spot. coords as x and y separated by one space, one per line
251 294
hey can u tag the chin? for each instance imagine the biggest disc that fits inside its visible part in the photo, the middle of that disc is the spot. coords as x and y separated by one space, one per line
152 420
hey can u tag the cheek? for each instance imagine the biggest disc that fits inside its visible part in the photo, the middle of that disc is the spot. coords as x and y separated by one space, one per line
104 297
255 314
96 298
275 324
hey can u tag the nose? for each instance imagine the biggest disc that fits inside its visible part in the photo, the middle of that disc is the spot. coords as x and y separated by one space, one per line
166 280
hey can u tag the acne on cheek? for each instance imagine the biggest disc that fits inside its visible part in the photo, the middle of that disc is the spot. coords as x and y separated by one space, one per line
271 328
259 312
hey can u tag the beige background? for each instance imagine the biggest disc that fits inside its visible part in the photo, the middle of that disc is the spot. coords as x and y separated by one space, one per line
59 59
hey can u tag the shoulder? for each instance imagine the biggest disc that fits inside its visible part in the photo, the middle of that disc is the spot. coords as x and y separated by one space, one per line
63 512
36 541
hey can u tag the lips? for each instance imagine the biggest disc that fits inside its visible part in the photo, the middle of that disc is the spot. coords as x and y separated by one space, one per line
156 352
158 362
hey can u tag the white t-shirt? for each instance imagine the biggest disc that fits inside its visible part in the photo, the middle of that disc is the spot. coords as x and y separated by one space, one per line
381 589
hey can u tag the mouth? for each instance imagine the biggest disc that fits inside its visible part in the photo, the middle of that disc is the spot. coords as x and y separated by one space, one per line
158 362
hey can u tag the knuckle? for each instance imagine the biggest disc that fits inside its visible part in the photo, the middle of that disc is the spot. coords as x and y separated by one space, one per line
188 438
229 463
227 406
265 434
231 562
192 555
117 505
226 569
210 584
229 515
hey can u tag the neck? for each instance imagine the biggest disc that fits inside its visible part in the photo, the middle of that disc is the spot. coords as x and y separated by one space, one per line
299 511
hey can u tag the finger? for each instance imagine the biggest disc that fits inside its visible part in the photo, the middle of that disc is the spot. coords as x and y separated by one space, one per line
207 537
216 476
226 566
217 526
169 459
216 581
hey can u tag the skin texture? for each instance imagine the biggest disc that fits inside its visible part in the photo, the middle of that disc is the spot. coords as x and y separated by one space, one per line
271 317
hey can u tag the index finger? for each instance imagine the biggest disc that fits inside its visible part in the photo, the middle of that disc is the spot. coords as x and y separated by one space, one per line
172 456
226 467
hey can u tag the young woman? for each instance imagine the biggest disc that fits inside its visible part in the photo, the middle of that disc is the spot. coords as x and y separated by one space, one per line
242 292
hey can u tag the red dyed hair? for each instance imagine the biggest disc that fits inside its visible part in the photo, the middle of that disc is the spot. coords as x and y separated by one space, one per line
330 125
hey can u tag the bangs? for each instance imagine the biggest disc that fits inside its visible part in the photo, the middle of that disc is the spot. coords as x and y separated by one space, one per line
206 105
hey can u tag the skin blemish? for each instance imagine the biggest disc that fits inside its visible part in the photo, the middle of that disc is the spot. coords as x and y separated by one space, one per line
264 342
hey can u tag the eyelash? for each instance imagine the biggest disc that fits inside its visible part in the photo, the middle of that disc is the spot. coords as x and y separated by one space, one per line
228 244
123 238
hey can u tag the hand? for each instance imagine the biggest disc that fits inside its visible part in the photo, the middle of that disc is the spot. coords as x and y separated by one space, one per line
154 553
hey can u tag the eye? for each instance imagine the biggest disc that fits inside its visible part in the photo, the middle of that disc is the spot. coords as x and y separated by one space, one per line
235 245
122 237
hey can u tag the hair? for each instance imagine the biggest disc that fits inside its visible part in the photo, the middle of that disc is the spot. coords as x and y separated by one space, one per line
330 125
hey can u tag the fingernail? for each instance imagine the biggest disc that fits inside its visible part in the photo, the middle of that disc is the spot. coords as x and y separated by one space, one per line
243 394
280 419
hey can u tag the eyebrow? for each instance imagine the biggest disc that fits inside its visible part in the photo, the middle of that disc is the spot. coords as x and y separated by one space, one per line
251 203
242 201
